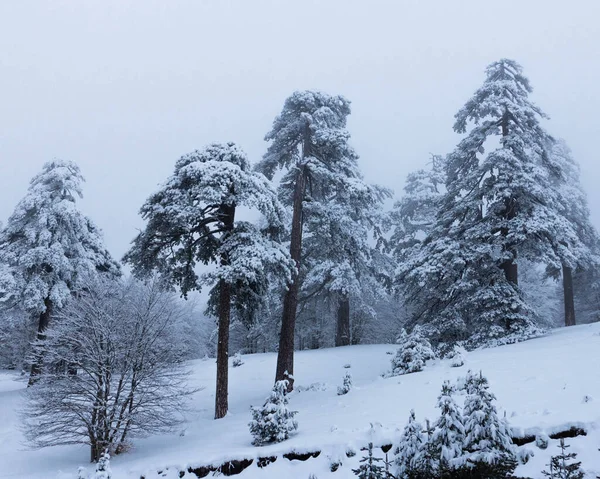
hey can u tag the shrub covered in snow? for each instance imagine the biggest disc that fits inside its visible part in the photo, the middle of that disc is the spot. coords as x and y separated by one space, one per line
457 356
346 386
412 355
103 467
237 360
273 422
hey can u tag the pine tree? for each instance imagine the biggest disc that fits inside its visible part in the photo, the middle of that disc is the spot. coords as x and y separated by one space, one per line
498 205
192 220
50 247
103 467
369 467
580 251
415 214
411 356
449 436
488 446
309 141
561 466
273 422
409 450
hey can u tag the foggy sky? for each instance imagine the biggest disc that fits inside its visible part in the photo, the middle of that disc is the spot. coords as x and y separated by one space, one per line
123 88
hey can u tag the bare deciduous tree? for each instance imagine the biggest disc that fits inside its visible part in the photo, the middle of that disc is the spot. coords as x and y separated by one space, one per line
114 369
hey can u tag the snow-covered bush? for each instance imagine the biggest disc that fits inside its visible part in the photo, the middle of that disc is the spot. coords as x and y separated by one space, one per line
346 386
103 467
82 473
412 355
457 356
273 422
541 441
237 360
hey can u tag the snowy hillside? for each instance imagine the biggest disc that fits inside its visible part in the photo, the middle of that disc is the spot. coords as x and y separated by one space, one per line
542 386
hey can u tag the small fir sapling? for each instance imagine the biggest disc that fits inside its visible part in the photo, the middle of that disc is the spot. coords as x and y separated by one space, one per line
370 467
412 355
103 467
346 386
563 466
488 446
273 422
409 450
82 473
449 435
237 360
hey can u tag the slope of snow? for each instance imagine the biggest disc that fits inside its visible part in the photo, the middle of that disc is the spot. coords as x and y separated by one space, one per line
540 384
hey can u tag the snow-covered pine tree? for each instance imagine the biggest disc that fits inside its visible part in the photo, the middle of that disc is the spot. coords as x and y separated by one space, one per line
273 422
339 261
562 465
346 385
191 221
457 356
498 204
409 449
488 447
449 435
309 141
103 467
50 247
412 355
581 252
369 466
415 214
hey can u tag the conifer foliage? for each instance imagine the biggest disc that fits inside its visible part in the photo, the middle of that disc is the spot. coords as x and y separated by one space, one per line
273 422
50 247
413 353
563 466
369 466
192 220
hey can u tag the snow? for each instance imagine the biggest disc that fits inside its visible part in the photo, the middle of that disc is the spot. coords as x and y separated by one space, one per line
541 384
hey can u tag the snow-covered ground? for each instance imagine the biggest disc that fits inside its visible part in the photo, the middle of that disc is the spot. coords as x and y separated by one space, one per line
540 384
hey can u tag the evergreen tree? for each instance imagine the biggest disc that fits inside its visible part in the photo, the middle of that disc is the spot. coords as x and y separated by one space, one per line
50 247
273 422
369 467
498 205
411 356
309 141
191 221
561 466
415 214
449 435
581 251
409 450
488 446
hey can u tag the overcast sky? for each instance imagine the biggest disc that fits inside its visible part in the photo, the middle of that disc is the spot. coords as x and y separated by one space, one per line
123 88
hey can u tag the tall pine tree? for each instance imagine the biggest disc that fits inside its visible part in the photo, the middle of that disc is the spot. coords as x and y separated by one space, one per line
309 141
191 221
50 247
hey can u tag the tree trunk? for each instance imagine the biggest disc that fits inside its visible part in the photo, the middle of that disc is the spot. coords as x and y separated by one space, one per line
342 336
221 392
568 295
285 355
509 266
44 321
